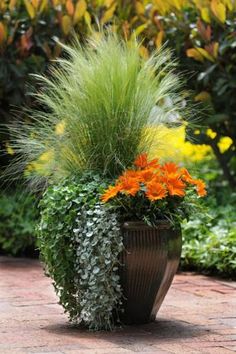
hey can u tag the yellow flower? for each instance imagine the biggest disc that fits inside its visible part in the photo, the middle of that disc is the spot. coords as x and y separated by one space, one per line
60 128
46 156
224 144
172 145
40 166
211 133
9 149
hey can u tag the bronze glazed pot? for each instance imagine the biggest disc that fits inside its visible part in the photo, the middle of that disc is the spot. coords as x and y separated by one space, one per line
149 263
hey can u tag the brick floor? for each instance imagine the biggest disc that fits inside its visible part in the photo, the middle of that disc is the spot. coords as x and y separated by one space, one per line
197 316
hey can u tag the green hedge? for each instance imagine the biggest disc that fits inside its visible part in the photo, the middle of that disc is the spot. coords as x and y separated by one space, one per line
209 239
18 218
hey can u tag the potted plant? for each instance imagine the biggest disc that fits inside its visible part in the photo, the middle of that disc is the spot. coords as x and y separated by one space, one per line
151 198
101 109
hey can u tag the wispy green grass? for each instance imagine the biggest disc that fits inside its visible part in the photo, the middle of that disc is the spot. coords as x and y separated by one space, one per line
104 93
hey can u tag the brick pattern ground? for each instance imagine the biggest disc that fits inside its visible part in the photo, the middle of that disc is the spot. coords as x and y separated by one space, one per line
197 316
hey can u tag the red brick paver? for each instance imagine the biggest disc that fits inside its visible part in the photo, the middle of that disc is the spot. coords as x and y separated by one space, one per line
198 316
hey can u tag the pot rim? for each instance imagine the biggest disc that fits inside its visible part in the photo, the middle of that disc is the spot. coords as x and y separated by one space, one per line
134 225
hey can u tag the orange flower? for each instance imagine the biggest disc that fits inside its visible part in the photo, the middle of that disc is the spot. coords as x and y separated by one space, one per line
201 187
155 191
142 162
153 164
128 185
130 174
147 175
175 185
111 192
187 177
170 167
159 180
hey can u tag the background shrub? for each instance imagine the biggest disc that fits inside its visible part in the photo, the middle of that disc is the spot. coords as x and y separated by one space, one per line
202 34
209 239
18 219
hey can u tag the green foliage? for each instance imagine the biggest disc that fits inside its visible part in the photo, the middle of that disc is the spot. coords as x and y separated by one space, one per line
26 46
173 208
104 95
27 43
79 240
217 78
209 239
28 30
18 218
202 36
98 245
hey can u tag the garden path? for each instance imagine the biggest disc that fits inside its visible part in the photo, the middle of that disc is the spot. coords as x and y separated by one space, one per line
197 316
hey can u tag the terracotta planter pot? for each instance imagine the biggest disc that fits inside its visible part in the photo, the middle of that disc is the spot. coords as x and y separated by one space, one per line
150 261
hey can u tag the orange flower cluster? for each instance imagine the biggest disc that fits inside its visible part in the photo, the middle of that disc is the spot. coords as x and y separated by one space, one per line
155 180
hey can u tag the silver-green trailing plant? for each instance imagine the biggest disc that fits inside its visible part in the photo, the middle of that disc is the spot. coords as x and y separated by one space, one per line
98 245
80 242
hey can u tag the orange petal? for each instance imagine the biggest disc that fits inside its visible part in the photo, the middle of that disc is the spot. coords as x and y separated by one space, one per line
111 192
141 160
155 191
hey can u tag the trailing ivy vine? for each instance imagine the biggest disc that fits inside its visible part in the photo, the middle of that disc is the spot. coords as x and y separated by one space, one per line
80 241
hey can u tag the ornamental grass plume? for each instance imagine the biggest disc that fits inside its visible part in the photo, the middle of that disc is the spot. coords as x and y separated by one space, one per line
97 107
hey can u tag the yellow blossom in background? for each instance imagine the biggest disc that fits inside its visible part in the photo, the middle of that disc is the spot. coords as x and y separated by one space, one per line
175 146
60 128
211 133
9 149
172 145
195 152
40 166
224 144
46 156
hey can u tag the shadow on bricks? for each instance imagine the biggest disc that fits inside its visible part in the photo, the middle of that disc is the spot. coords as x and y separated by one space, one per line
158 331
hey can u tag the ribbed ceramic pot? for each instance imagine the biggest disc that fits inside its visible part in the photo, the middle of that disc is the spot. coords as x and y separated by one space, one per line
149 263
